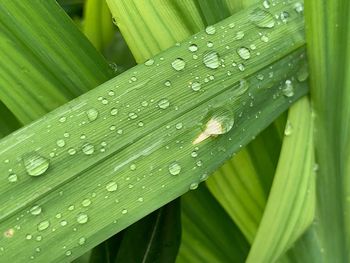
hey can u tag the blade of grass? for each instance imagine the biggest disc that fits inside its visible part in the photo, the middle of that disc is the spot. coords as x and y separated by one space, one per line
98 26
45 59
209 237
328 36
63 168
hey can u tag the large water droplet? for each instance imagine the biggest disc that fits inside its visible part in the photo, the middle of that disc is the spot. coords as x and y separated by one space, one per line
262 18
210 30
61 143
43 225
193 48
244 53
243 87
288 89
35 210
114 111
195 86
193 186
82 218
149 62
112 187
88 149
174 168
178 64
35 164
288 129
163 104
12 178
92 114
303 73
86 202
211 59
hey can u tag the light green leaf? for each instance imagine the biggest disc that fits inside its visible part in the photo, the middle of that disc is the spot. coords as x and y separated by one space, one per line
131 166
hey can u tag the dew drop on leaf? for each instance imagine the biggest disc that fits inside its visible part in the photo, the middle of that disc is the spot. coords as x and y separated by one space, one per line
88 149
92 114
112 187
61 143
43 225
35 164
193 186
288 89
193 48
261 18
195 86
178 64
86 202
244 53
211 59
174 168
114 111
12 178
210 30
149 62
82 241
82 218
163 104
35 210
288 129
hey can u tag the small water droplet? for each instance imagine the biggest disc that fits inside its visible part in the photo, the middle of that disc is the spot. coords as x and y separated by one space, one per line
193 48
288 89
124 211
63 223
210 44
174 168
140 199
178 64
211 59
88 149
167 83
288 129
62 119
210 30
243 52
266 4
241 67
82 241
12 178
179 126
68 253
92 114
29 236
114 111
163 104
71 151
86 202
264 38
193 186
195 86
299 7
112 187
132 115
303 73
61 143
149 62
35 210
82 218
43 225
239 35
35 164
284 16
262 18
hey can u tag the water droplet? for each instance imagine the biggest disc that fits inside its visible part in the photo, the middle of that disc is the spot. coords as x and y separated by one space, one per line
114 111
232 25
243 52
174 168
43 225
303 73
264 38
266 4
82 241
284 16
71 207
262 18
288 89
243 87
195 86
68 253
178 64
299 7
62 119
140 199
35 210
149 62
178 126
92 114
12 178
71 151
82 218
29 236
239 35
132 115
288 129
193 48
86 202
133 167
124 211
210 44
35 164
163 104
61 143
211 59
241 67
210 30
88 149
112 187
194 154
167 83
193 186
63 223
220 121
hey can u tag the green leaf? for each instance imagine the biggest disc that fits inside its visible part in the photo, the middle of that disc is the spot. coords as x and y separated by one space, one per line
155 238
81 140
209 234
328 37
291 202
8 122
98 26
45 62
